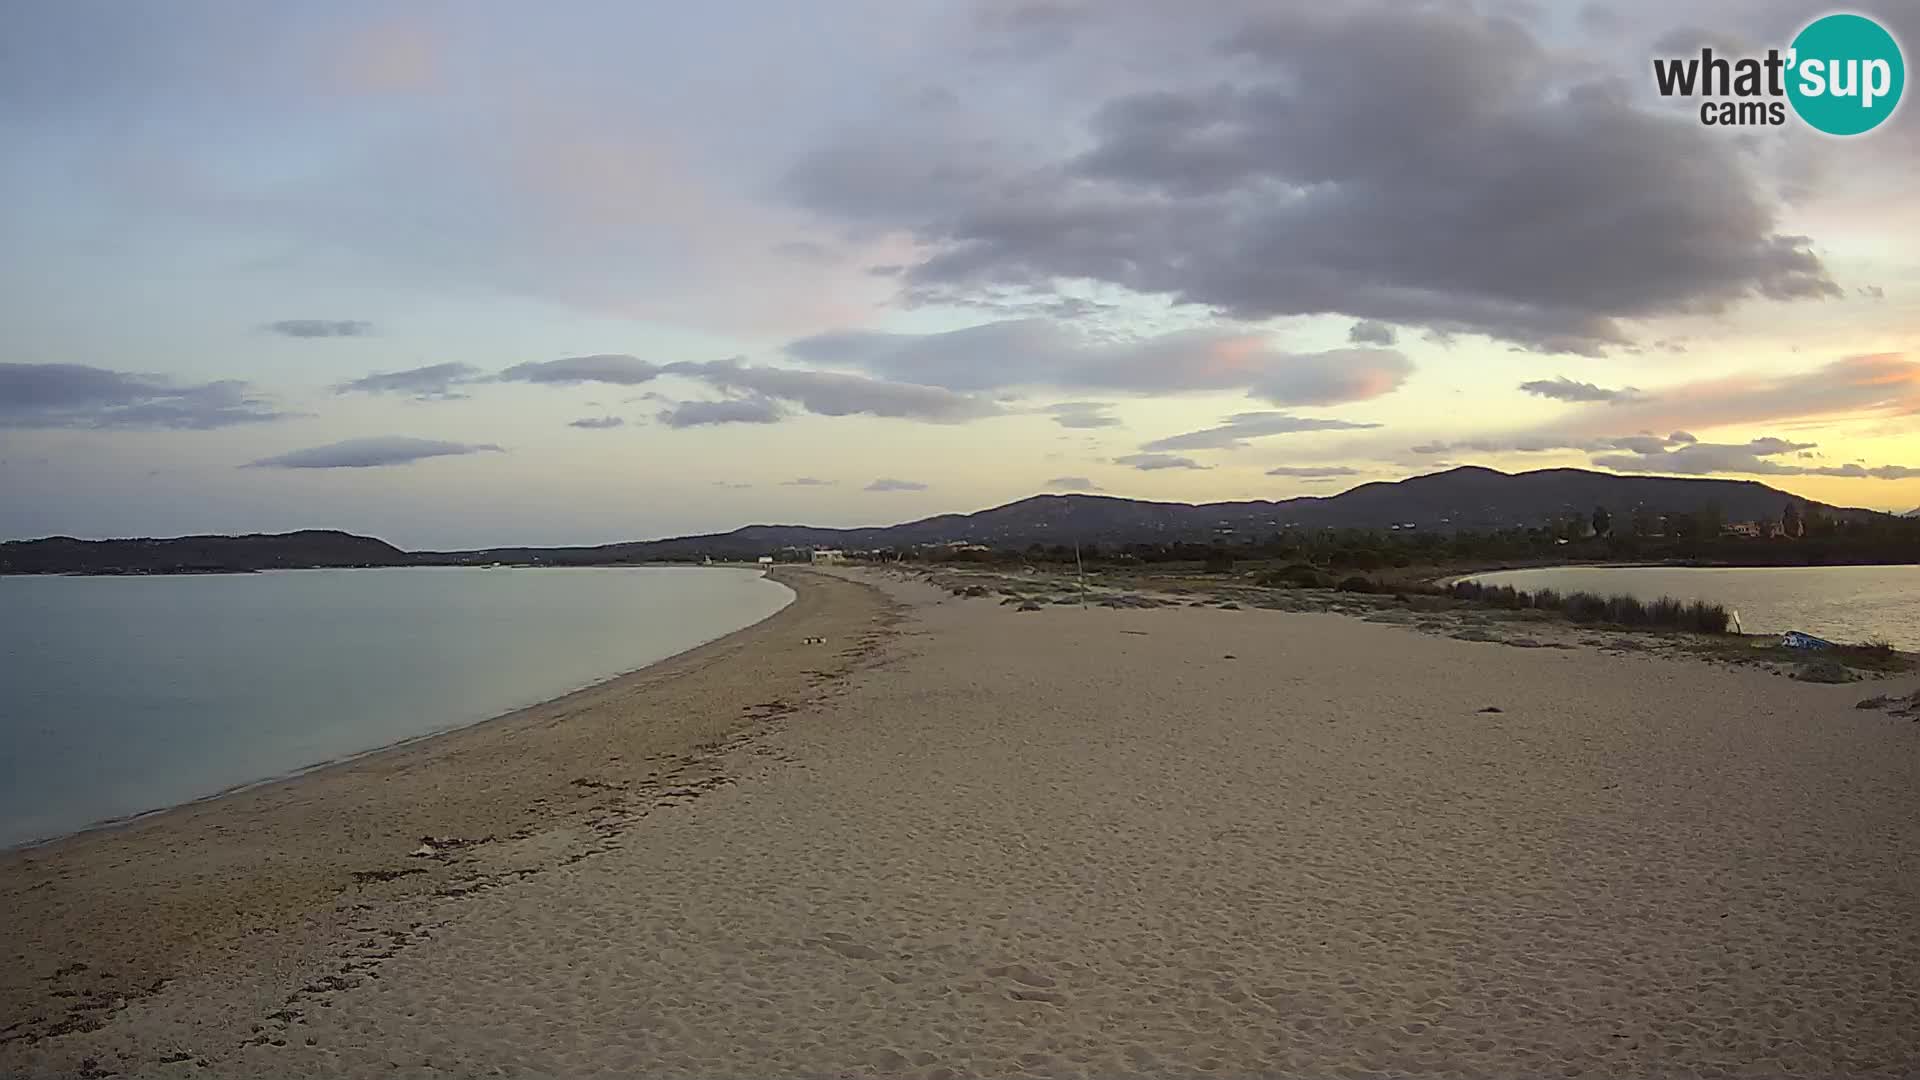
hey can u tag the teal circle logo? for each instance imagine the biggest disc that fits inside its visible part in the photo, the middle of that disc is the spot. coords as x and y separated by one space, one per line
1847 74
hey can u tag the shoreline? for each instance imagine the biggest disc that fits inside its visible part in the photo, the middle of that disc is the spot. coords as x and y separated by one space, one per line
141 901
108 824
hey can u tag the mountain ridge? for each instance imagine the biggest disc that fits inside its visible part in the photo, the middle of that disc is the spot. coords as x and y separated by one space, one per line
1465 497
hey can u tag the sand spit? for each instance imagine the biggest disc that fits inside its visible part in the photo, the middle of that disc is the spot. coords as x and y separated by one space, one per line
1167 841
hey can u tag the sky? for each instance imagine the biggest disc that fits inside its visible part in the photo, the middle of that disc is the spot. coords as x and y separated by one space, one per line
472 274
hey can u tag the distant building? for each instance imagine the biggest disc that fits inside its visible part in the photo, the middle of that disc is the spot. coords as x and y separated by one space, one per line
828 556
1743 528
766 560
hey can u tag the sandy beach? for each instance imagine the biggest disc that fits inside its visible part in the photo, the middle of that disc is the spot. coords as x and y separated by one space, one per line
959 839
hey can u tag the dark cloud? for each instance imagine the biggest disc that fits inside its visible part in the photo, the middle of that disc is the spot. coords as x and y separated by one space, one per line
1042 352
597 423
889 484
834 394
1312 471
1235 430
319 328
1153 462
1371 332
1423 166
1072 483
1083 414
370 453
1565 389
78 396
430 382
748 410
1872 292
616 368
807 481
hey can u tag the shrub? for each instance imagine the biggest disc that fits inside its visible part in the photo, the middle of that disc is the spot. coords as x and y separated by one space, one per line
1585 607
1356 583
1295 575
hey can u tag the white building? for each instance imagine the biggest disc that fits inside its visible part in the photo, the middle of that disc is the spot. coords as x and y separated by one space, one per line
828 556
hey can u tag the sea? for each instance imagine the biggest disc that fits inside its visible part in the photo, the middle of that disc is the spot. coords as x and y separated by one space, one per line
121 695
1847 604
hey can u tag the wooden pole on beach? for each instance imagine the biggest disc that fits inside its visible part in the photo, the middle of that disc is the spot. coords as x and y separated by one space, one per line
1082 570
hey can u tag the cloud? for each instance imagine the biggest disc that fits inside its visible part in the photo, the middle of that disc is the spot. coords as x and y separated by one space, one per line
1371 332
889 484
1565 389
1879 384
732 485
1152 462
78 396
1645 442
1423 166
616 368
1043 352
369 453
1083 414
1236 429
1073 483
320 328
829 393
749 410
597 423
807 481
432 381
1333 377
1312 471
758 389
1752 458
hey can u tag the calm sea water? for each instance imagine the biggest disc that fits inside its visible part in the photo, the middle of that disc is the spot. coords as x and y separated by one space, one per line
125 694
1844 603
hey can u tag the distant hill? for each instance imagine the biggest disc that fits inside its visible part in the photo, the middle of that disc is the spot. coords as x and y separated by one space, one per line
197 554
1464 498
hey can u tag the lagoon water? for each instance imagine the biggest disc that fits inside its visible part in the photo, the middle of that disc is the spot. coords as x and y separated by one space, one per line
1843 603
125 694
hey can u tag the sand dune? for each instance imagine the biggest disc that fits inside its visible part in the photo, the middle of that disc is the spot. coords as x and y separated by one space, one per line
1127 842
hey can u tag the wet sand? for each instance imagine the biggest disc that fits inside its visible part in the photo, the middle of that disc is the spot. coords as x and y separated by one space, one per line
1066 842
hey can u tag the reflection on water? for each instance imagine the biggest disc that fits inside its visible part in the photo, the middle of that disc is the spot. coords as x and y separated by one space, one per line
1844 603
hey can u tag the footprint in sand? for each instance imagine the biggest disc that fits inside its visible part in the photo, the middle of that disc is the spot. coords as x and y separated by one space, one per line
1020 973
1027 977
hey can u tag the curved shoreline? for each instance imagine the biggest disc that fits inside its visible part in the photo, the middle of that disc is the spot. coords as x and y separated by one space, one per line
118 821
146 899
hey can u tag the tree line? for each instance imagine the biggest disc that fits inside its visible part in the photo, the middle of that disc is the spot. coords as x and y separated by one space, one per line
1804 538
